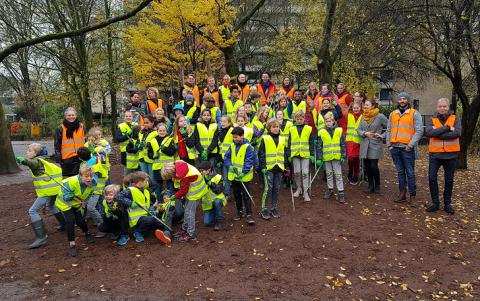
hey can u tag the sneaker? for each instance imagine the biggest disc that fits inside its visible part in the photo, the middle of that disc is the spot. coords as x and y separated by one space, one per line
100 234
162 237
297 193
432 208
328 194
306 197
114 236
89 238
449 209
217 227
138 236
238 216
179 233
265 214
187 238
72 251
123 240
274 213
341 197
250 220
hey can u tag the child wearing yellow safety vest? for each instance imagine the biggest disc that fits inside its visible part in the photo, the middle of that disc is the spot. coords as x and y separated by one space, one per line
71 202
258 123
299 150
209 103
222 139
271 158
331 151
203 135
101 178
136 199
171 211
249 113
162 150
132 151
44 174
241 122
214 200
146 135
285 126
353 139
192 112
239 161
116 217
230 105
192 187
123 136
182 137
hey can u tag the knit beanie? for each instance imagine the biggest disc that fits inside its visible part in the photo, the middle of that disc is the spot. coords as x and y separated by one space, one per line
403 94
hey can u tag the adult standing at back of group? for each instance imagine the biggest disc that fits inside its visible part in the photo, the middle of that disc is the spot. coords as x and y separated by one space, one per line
371 148
444 129
69 137
404 131
244 86
266 87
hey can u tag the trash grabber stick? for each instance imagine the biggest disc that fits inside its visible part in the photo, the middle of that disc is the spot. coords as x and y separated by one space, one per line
314 176
291 193
248 193
65 187
155 217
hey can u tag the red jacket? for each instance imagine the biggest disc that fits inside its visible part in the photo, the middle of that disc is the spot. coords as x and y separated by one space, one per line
343 121
181 170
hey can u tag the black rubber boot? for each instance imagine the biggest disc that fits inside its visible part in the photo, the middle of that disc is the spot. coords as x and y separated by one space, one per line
40 234
61 221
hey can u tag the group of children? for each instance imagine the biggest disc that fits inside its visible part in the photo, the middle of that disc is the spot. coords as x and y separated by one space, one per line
197 158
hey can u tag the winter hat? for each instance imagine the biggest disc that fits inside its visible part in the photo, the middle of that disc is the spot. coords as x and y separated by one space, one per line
403 94
189 98
178 107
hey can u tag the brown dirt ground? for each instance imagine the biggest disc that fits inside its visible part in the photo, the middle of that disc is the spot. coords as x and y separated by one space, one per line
367 249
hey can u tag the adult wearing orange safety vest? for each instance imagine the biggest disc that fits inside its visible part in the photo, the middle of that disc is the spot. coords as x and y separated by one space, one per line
266 87
444 129
344 100
212 89
153 101
404 130
287 88
244 87
69 137
193 88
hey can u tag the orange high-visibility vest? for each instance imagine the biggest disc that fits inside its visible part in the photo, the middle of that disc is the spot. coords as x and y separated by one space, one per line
195 92
71 145
244 92
290 92
342 101
402 129
271 90
152 106
214 94
438 145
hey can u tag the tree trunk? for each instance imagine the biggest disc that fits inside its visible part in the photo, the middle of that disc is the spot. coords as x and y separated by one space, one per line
7 159
111 75
231 66
469 123
325 60
325 69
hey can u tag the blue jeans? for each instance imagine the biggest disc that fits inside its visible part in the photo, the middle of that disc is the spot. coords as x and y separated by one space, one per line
226 182
449 168
213 215
405 164
272 183
41 202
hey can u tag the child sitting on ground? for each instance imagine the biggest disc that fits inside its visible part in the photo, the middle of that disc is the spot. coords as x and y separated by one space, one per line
116 218
214 200
46 177
331 150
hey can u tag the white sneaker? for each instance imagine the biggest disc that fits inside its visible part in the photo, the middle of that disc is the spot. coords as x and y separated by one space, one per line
306 197
297 193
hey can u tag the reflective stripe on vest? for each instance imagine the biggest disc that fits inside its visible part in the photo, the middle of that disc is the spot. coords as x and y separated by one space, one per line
143 154
245 92
301 106
352 126
197 188
206 134
210 196
331 145
320 122
44 185
70 146
225 92
160 158
141 199
73 183
438 145
299 144
274 154
286 131
231 108
238 160
402 127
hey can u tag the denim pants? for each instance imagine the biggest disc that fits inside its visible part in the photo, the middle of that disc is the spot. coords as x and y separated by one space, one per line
213 215
272 182
226 182
189 217
449 168
42 202
405 164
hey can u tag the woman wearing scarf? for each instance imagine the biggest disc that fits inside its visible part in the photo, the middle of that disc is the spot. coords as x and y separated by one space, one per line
266 87
371 130
69 137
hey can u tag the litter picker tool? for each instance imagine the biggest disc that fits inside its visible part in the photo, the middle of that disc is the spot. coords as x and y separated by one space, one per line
313 179
155 217
248 193
68 189
291 192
